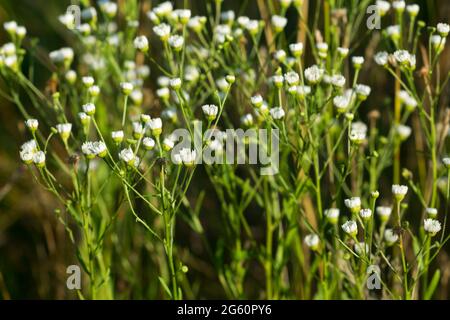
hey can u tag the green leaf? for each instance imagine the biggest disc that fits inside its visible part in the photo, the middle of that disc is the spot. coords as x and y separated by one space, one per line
166 288
433 285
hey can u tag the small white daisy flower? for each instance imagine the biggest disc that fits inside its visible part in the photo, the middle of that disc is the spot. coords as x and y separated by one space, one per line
384 213
32 124
277 113
354 204
314 74
390 236
432 226
399 191
332 215
350 228
312 241
141 43
210 111
278 22
39 159
89 109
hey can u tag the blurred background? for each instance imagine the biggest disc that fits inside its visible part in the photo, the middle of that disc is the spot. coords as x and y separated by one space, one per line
34 249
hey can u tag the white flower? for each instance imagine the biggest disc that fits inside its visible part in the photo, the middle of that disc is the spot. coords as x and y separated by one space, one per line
280 55
8 49
390 236
362 91
30 146
431 226
10 27
332 215
257 100
141 43
443 29
361 248
92 149
279 22
242 21
296 49
292 78
354 204
228 16
117 136
314 74
127 156
383 7
89 109
399 6
71 76
357 136
137 97
432 212
303 91
109 8
163 9
247 120
62 56
84 118
176 42
39 159
32 124
126 88
312 241
94 91
413 9
277 113
21 32
163 93
409 101
393 31
399 191
191 74
188 156
338 80
322 47
384 213
350 227
175 83
64 129
252 26
88 81
381 58
68 20
162 31
277 80
27 151
148 143
357 61
341 103
183 15
196 23
155 126
446 162
168 143
365 214
404 58
403 131
343 52
210 111
438 42
138 130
